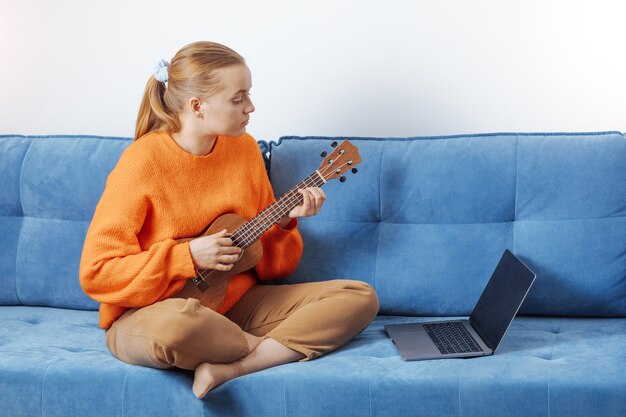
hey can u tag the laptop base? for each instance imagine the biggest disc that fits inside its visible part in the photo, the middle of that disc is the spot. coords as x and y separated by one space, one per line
414 344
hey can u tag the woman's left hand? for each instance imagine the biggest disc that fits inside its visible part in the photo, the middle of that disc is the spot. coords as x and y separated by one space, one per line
313 199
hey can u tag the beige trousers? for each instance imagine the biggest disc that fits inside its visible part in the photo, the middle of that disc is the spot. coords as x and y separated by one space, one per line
311 318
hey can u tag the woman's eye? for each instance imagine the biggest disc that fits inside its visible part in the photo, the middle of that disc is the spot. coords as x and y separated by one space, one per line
240 100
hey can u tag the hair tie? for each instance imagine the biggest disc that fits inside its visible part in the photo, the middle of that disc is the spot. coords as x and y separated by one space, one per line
160 71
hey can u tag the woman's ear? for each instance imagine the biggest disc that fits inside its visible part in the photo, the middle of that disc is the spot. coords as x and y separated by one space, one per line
195 105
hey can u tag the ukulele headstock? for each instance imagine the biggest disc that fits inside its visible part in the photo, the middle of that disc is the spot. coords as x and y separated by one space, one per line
344 157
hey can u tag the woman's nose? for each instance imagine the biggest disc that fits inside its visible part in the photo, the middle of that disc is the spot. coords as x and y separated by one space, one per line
250 108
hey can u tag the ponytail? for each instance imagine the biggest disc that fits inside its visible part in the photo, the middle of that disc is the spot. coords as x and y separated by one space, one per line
153 112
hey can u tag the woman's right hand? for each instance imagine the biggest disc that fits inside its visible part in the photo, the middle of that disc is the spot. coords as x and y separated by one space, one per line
214 251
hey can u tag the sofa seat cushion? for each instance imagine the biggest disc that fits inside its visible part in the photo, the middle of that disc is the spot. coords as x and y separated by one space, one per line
55 360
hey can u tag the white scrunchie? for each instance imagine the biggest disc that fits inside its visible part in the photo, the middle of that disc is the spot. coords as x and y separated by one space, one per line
160 70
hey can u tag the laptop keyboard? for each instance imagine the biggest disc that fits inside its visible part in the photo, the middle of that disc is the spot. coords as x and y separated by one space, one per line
452 337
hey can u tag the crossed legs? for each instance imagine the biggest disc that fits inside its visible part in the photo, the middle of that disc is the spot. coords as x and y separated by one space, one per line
269 326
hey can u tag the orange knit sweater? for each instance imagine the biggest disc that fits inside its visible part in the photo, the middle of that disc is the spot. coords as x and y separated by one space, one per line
158 193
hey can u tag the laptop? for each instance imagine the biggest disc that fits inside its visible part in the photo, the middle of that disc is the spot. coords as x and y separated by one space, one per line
481 334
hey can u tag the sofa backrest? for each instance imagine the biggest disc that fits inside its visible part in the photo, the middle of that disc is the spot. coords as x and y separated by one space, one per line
426 219
49 188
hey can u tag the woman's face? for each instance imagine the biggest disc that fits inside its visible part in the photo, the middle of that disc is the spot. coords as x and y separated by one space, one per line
227 111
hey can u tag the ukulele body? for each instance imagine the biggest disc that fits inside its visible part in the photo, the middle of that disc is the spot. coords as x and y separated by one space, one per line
217 281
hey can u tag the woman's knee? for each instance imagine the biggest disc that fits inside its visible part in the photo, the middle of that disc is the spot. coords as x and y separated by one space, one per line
371 303
363 296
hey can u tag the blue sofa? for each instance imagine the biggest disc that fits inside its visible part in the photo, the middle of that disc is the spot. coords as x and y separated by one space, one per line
424 221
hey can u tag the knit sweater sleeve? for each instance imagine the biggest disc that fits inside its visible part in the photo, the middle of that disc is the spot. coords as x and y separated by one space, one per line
282 248
114 268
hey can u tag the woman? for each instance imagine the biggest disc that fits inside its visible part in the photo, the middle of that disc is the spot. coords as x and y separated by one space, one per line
191 162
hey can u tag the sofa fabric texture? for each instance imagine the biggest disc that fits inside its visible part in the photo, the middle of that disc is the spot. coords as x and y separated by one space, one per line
424 221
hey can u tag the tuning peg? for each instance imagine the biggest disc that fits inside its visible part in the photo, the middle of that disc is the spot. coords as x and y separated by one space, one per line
354 170
342 179
323 154
334 144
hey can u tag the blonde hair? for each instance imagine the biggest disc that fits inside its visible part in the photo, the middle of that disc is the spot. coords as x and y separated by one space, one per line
191 73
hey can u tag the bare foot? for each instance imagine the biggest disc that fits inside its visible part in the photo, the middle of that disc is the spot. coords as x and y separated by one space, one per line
266 354
209 376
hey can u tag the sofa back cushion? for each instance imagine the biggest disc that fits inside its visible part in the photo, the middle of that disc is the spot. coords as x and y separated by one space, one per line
425 220
50 186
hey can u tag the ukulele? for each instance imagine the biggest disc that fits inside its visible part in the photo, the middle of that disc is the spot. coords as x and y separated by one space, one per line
209 285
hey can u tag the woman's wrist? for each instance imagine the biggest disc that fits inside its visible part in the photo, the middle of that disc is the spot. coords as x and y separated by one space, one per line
284 221
288 223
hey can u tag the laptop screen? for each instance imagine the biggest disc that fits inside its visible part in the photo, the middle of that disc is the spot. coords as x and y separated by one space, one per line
501 299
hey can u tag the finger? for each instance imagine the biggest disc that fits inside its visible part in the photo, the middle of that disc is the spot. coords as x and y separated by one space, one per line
303 192
219 235
305 200
317 198
310 202
311 195
225 241
228 259
223 267
313 203
295 212
229 250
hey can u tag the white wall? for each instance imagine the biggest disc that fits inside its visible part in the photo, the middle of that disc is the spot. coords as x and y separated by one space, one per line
326 67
